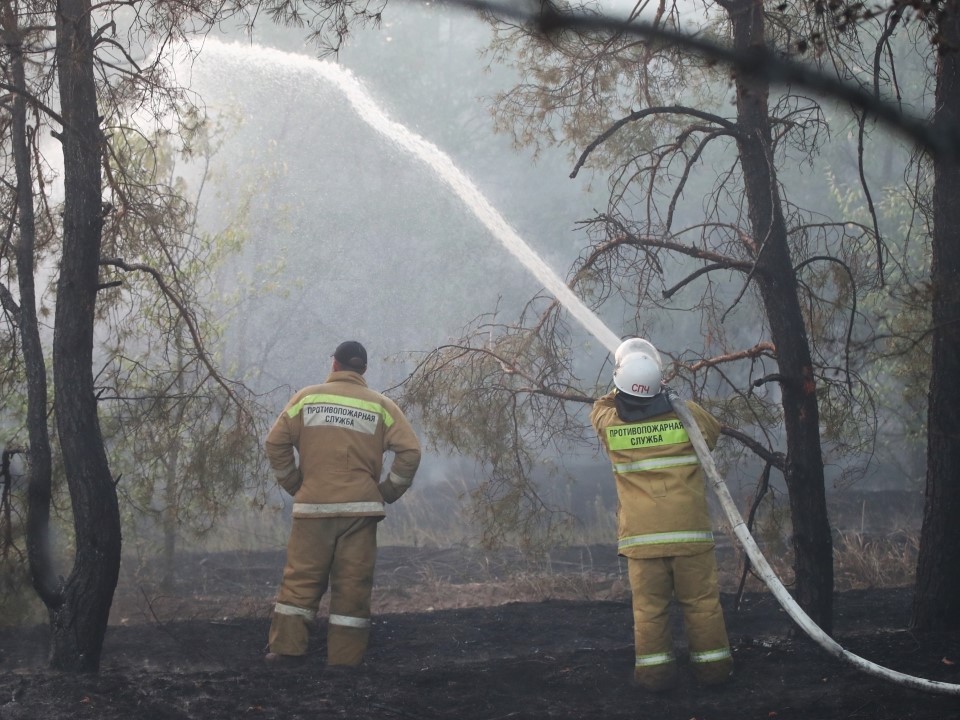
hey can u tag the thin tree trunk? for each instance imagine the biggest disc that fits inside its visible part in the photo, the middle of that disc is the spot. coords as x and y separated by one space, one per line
777 281
171 506
39 461
937 596
80 623
170 523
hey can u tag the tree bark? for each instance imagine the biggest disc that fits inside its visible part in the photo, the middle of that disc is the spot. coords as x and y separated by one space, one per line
777 281
39 459
937 593
79 625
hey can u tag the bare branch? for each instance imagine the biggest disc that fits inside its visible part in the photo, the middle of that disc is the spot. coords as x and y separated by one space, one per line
187 315
8 302
760 349
33 100
669 292
638 115
630 239
777 459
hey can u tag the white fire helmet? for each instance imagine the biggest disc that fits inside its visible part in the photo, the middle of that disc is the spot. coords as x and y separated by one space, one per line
638 374
628 347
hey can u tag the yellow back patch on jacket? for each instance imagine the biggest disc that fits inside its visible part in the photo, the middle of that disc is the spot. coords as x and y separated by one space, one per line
340 411
648 434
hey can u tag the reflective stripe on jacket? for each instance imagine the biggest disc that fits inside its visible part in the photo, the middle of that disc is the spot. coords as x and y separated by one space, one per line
662 497
340 430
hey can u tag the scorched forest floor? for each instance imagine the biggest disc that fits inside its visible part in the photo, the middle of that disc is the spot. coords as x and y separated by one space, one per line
444 644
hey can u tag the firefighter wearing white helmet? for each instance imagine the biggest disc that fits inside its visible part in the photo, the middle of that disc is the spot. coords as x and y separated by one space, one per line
663 523
638 374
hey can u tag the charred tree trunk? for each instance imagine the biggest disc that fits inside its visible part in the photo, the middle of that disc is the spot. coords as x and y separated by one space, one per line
937 597
779 289
39 461
6 510
80 623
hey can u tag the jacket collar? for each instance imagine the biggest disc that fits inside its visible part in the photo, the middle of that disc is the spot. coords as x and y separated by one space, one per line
631 409
347 376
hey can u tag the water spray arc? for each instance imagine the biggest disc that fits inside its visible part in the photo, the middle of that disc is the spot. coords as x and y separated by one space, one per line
438 161
371 113
471 195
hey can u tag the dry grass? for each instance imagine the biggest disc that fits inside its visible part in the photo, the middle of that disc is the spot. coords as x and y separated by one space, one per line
436 518
861 561
864 562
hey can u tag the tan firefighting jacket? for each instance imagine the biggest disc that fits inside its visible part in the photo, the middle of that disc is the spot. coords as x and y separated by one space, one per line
340 430
662 497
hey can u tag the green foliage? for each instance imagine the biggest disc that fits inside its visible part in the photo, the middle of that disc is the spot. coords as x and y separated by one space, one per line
898 316
496 400
184 438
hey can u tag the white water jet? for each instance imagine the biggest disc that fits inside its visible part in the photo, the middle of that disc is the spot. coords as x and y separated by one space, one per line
437 160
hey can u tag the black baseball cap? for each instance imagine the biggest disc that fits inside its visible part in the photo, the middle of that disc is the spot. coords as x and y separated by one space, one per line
351 354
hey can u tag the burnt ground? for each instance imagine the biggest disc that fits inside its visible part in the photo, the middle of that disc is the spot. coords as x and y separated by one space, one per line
445 644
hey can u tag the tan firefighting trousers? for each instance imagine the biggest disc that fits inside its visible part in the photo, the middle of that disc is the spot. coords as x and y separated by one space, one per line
338 551
693 581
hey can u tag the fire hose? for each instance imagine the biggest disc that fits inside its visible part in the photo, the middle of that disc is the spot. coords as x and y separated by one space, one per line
769 577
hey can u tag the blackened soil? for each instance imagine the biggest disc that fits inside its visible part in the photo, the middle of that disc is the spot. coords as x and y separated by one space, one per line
543 659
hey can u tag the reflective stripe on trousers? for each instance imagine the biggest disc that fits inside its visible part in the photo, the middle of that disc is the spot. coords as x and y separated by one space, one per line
707 656
284 609
654 659
347 621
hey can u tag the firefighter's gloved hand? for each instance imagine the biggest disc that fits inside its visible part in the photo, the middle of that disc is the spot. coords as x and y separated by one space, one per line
388 491
292 482
392 487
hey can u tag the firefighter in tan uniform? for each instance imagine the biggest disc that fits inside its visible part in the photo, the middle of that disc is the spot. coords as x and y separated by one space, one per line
340 431
664 527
